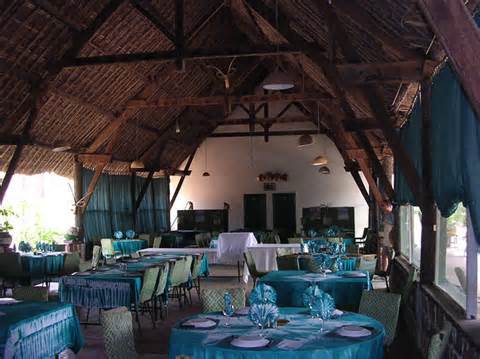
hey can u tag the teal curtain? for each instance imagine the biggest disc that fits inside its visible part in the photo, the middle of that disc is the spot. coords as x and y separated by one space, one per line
110 208
455 149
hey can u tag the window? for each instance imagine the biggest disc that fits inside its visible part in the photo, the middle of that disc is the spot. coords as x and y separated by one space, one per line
452 254
411 233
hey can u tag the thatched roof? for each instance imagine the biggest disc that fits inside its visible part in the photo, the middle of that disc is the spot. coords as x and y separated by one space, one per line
40 40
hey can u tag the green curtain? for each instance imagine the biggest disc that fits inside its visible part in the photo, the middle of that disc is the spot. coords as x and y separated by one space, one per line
110 208
455 149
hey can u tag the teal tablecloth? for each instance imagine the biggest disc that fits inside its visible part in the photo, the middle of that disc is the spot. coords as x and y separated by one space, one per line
103 289
344 264
38 330
128 246
42 264
290 286
215 343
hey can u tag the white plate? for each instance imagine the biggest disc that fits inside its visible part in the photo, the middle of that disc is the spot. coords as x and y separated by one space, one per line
353 331
250 341
337 313
200 323
243 311
354 275
9 301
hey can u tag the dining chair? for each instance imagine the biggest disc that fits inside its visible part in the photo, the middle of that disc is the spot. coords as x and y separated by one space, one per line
439 341
144 237
252 268
117 326
286 251
288 262
196 272
108 251
161 291
157 242
187 278
96 255
367 263
179 276
384 307
11 270
28 293
147 295
71 263
211 299
294 240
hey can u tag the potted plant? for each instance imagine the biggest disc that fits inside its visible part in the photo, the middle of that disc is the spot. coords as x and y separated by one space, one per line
5 227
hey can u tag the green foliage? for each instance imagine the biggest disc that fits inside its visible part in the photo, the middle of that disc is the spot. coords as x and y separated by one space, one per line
5 215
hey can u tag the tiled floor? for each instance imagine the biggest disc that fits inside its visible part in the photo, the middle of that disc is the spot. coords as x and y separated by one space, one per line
155 340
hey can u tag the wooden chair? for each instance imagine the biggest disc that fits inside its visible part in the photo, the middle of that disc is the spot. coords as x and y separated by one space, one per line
384 307
252 268
212 299
147 294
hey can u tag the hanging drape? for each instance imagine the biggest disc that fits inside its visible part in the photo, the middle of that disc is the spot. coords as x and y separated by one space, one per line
455 149
111 206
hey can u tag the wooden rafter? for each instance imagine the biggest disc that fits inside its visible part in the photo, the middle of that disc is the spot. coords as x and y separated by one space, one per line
179 34
143 190
458 33
182 179
150 14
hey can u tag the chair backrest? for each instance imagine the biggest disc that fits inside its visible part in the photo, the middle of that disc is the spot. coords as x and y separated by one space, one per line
157 242
286 251
162 279
384 307
295 240
177 272
439 341
368 263
460 273
107 247
144 236
135 255
187 269
71 263
197 266
10 265
118 333
35 294
307 263
252 268
288 262
97 252
212 298
149 285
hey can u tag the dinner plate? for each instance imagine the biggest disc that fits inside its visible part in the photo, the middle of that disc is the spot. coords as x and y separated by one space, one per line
199 323
243 311
353 331
337 313
250 341
354 275
9 301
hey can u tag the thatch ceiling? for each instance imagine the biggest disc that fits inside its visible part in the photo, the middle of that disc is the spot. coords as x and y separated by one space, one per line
79 103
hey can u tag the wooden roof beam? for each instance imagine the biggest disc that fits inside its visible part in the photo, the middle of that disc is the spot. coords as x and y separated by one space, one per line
221 100
459 35
151 15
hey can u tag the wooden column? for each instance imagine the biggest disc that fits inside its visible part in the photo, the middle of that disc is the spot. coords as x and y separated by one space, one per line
78 193
427 261
180 183
133 198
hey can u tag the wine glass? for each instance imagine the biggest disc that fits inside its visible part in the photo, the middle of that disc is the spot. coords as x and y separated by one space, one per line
228 311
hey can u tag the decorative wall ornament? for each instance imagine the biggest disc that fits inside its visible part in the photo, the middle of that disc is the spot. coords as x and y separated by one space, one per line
272 177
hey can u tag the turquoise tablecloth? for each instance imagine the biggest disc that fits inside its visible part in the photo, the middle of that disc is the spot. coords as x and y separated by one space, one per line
290 286
38 330
128 246
42 264
109 289
214 343
344 264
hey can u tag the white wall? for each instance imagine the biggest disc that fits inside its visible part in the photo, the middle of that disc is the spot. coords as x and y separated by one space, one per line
233 173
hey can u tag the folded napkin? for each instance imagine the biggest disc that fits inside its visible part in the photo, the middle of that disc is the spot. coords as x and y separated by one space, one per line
291 344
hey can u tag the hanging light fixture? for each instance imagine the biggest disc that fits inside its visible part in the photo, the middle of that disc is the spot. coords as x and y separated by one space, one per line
305 140
206 173
177 126
324 170
278 80
136 164
320 160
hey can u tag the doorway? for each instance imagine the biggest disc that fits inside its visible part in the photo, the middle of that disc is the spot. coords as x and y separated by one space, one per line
255 211
284 214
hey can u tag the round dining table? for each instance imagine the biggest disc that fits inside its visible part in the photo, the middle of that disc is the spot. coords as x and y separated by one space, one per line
301 337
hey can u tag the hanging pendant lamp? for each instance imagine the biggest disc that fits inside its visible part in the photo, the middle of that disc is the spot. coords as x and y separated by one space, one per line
136 164
320 160
324 170
278 80
305 140
206 173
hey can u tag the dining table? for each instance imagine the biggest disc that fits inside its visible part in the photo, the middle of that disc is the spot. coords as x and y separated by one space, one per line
210 254
299 336
38 330
345 287
129 246
109 286
42 264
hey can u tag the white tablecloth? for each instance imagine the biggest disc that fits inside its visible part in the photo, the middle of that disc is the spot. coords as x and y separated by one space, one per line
210 252
265 255
231 246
